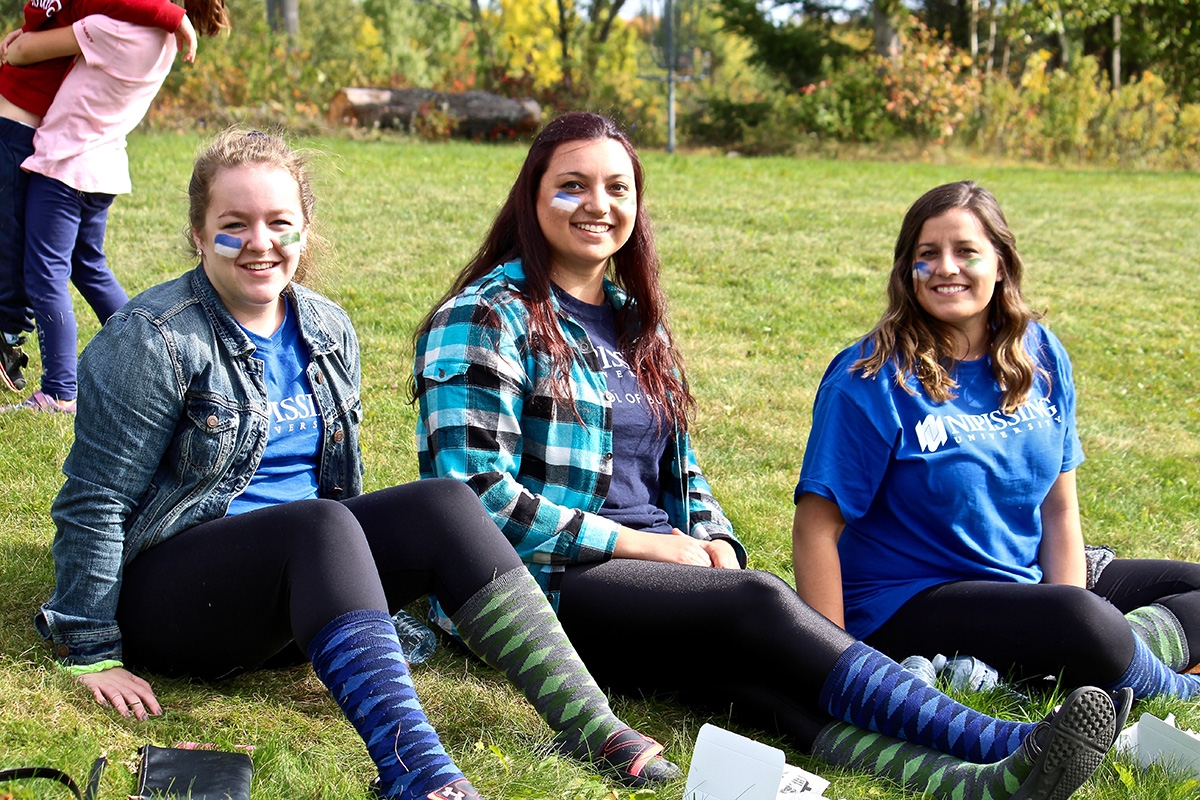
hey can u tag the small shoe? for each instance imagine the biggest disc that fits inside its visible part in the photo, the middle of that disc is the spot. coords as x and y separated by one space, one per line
635 760
1069 745
12 362
460 789
40 401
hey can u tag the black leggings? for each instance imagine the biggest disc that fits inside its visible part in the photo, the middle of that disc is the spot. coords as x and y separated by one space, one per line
1032 630
229 595
734 642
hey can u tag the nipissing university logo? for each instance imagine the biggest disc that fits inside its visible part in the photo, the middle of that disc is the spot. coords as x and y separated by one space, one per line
935 431
931 433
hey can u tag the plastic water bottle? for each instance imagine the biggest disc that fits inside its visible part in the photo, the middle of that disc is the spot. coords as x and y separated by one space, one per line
966 672
416 639
922 667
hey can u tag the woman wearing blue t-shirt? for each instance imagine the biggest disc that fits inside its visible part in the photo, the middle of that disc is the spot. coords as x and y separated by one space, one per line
548 381
213 518
936 510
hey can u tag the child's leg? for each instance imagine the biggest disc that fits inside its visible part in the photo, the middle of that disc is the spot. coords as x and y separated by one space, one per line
16 144
48 247
89 266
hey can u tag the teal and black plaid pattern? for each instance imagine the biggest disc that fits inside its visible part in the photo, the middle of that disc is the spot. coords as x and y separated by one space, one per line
541 466
868 689
358 658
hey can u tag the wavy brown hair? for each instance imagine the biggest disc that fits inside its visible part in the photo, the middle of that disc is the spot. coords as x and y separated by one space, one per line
642 328
922 346
209 17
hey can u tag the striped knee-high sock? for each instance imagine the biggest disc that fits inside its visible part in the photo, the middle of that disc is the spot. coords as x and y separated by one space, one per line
870 690
511 626
1050 764
1160 629
1149 677
358 658
919 768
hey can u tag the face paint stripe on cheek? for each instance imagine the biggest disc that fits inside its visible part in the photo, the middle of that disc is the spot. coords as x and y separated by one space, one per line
922 270
974 263
227 246
292 242
565 202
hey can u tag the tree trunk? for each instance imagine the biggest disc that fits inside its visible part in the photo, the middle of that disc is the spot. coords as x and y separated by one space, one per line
475 114
887 38
284 15
974 31
1116 53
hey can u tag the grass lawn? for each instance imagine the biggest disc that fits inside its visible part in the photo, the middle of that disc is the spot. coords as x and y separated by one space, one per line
772 266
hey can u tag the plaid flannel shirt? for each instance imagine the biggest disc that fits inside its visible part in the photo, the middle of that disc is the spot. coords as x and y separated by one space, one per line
487 416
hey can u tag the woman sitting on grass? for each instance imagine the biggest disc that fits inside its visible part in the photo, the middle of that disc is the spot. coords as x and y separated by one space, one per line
936 508
213 516
557 395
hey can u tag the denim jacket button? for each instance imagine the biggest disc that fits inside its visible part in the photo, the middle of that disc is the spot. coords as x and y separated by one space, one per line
212 421
338 436
62 651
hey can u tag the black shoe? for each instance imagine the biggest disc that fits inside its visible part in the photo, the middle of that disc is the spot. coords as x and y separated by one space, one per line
12 362
1069 745
635 760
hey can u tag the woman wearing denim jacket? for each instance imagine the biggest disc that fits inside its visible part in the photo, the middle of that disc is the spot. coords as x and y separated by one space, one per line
213 519
548 381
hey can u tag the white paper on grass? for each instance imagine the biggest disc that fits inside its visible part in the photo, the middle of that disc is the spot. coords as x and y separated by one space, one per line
1155 741
726 766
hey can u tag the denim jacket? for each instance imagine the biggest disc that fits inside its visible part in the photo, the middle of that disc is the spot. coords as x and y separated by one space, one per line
487 417
171 425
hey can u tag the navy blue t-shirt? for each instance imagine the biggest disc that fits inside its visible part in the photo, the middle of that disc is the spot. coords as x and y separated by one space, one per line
639 441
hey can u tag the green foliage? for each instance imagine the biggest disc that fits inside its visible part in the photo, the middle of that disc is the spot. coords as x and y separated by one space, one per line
1073 115
931 87
255 75
798 50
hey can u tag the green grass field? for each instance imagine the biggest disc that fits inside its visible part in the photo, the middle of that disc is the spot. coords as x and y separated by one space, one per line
772 266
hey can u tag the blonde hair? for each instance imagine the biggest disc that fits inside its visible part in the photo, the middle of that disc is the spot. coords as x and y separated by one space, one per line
238 147
922 346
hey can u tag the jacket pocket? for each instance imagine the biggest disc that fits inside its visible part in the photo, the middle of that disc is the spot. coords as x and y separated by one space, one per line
207 435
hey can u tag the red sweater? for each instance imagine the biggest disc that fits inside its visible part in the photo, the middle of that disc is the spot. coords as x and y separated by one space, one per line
33 87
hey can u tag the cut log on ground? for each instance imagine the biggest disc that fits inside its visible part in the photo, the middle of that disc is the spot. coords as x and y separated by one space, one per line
473 114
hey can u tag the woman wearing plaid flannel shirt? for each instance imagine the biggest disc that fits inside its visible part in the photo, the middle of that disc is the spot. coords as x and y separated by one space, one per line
556 393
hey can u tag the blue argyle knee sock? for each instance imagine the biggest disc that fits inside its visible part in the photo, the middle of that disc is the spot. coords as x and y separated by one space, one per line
1149 677
358 657
868 689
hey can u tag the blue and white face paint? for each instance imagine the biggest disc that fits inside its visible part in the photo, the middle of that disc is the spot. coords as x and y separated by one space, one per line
565 202
922 270
227 246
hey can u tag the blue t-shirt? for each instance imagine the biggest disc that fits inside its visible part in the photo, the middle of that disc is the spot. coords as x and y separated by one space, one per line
936 493
638 441
289 465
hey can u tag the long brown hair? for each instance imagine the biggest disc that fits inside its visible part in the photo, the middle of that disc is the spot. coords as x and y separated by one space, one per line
209 17
642 328
922 346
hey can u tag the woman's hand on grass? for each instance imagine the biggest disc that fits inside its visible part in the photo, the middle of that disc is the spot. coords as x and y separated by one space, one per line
123 691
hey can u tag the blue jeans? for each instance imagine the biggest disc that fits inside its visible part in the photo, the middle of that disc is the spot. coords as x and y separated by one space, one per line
16 145
65 242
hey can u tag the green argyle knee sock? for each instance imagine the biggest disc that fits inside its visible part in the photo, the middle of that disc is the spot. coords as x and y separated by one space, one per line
919 768
1162 632
511 626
